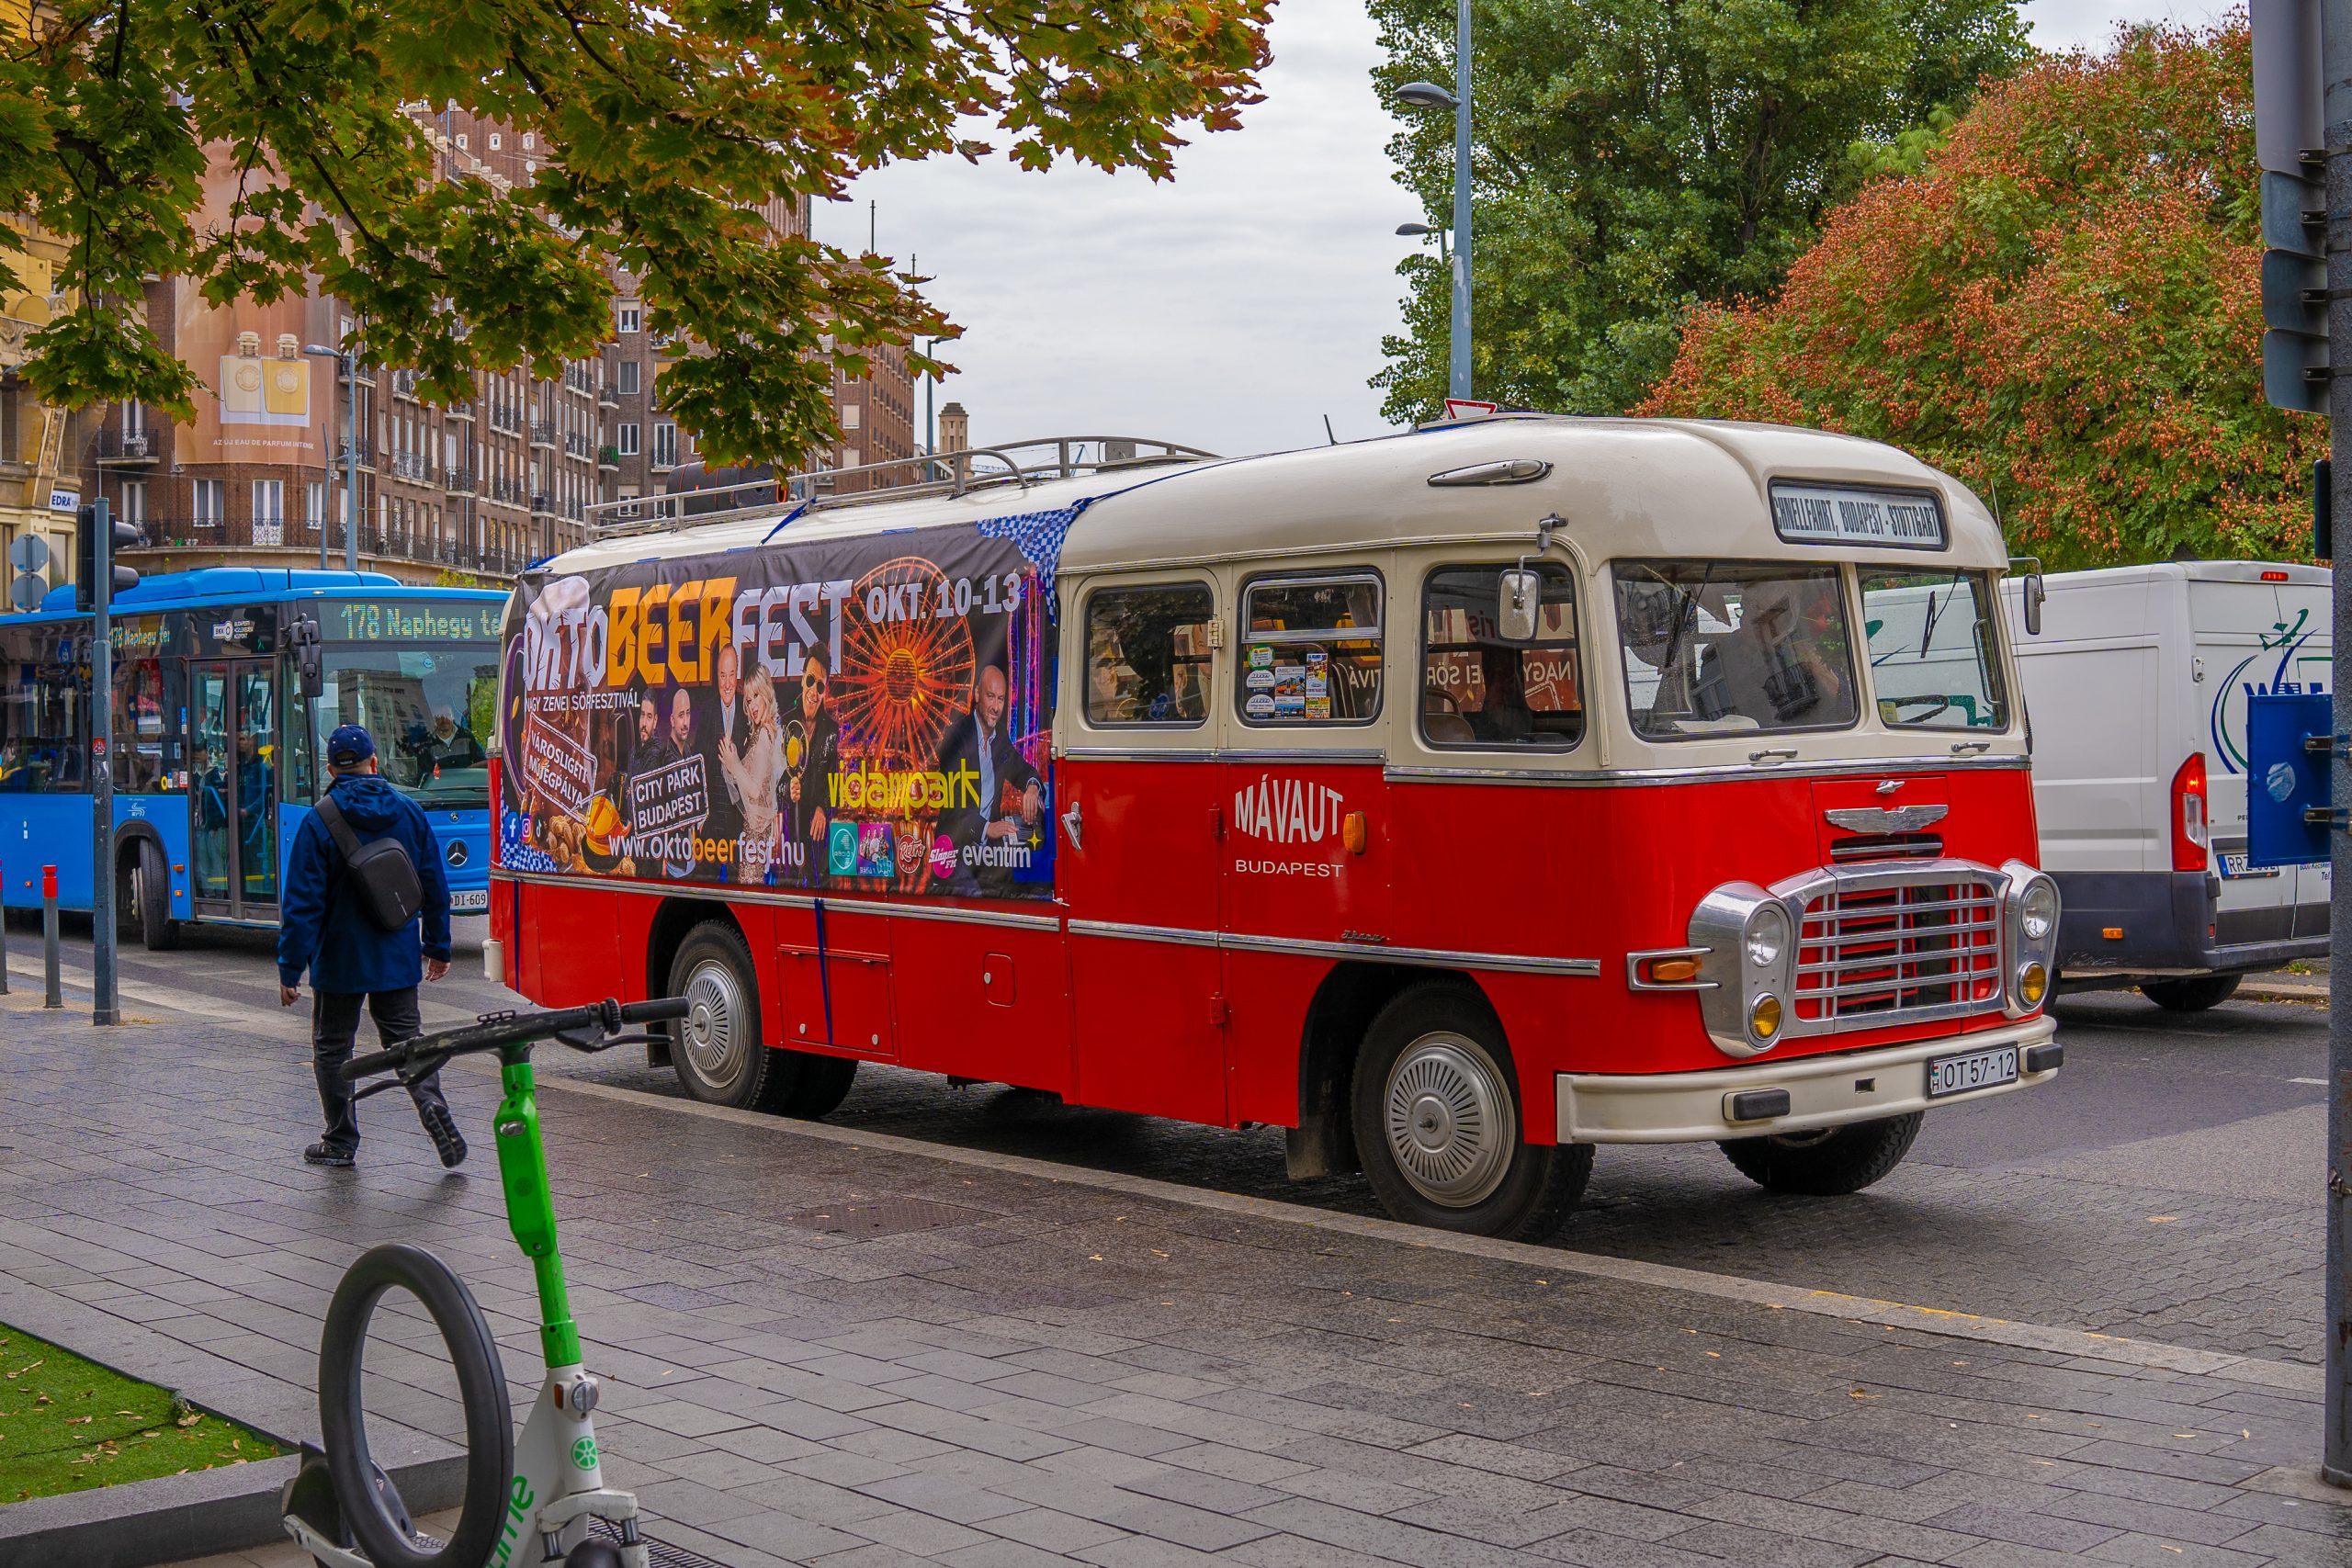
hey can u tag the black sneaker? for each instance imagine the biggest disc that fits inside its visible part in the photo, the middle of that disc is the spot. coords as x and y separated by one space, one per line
446 1137
328 1156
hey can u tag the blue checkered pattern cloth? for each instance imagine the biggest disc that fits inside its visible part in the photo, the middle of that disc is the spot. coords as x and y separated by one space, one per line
1038 536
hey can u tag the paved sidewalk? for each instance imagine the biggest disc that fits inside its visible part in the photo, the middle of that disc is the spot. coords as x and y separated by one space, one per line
830 1347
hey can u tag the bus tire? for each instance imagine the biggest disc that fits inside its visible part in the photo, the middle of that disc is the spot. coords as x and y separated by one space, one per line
818 1087
1827 1164
1438 1123
2196 994
715 1049
371 1508
150 898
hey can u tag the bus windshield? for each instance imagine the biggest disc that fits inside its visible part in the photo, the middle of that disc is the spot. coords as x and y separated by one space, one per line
428 709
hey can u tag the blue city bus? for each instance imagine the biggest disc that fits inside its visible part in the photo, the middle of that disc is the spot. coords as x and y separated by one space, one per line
215 749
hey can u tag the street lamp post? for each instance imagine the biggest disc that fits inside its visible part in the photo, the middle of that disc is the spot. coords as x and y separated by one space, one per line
349 368
1430 95
1423 231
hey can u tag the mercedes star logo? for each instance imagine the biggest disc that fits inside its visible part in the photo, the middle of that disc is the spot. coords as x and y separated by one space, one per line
457 855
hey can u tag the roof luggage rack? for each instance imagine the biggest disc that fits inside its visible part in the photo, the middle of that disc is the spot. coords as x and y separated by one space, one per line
940 473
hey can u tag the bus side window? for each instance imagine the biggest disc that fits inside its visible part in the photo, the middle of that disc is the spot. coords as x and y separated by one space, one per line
44 730
1478 689
1311 651
1147 654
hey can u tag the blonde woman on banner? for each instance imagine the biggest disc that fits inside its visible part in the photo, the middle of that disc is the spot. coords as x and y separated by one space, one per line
756 771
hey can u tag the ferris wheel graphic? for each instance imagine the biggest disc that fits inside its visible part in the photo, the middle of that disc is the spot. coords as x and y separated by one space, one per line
901 681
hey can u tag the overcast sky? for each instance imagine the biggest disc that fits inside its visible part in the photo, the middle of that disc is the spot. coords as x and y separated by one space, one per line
1232 308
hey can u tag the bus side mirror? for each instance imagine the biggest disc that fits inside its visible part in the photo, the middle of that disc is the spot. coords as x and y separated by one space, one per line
2030 593
310 657
1521 591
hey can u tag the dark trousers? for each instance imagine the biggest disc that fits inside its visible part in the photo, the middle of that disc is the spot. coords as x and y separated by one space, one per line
334 1021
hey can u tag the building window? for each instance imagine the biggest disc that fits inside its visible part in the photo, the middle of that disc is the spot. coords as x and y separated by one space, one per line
853 414
852 456
665 446
269 501
626 434
495 141
134 421
631 318
314 499
462 141
530 139
134 502
627 380
211 501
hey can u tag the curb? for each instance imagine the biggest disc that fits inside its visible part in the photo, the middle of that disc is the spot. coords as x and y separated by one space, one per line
202 1513
2284 991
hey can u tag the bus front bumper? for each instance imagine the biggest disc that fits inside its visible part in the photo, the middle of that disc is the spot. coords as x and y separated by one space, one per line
1828 1090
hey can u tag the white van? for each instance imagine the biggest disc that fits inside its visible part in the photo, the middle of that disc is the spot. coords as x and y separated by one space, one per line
2135 699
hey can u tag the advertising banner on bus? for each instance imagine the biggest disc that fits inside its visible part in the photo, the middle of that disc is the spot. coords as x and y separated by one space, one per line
868 714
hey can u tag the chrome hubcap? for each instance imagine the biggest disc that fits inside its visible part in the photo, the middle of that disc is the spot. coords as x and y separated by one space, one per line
713 1029
1450 1120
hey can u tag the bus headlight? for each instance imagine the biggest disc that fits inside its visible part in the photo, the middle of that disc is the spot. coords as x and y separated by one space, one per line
2029 911
1749 945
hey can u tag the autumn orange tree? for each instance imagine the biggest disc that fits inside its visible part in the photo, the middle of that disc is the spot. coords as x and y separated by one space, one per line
2059 302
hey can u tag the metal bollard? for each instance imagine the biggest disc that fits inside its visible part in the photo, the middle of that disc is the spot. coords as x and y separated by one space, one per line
48 933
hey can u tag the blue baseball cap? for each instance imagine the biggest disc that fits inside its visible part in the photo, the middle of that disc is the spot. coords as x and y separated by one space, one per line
350 746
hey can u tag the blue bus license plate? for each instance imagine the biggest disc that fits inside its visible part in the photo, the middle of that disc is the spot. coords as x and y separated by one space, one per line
469 901
1977 1069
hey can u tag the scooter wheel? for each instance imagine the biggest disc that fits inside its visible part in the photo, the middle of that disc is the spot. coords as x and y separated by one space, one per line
371 1508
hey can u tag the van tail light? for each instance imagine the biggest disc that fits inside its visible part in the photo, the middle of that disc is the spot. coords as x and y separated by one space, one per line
2191 837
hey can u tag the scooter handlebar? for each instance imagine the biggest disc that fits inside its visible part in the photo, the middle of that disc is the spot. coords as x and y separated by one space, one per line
494 1032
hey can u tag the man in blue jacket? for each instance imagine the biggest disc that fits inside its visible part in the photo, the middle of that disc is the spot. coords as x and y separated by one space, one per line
323 927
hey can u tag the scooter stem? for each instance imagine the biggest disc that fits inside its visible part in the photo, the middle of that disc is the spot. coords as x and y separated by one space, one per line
530 1207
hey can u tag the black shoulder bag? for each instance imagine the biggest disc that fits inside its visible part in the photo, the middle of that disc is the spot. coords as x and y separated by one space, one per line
389 891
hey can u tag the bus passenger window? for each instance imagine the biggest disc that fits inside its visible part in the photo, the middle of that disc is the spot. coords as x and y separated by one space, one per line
1480 691
1310 650
1147 654
43 726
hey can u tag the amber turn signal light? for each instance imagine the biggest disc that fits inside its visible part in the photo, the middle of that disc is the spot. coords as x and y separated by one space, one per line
2112 933
1674 971
1352 832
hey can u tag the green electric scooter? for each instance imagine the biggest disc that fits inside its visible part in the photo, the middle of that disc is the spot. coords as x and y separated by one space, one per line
527 1504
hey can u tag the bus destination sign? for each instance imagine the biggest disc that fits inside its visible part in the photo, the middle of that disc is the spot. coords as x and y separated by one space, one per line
411 620
1839 514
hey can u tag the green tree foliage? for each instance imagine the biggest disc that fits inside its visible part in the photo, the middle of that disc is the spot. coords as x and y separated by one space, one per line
666 127
1635 158
2061 306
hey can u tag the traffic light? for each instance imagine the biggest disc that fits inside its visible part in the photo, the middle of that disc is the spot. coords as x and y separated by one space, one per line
2290 144
121 535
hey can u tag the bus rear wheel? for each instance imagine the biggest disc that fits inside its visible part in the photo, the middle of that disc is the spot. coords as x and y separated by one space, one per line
715 1049
1829 1163
1438 1123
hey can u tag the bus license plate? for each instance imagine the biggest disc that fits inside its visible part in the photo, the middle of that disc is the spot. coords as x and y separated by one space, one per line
1978 1070
471 900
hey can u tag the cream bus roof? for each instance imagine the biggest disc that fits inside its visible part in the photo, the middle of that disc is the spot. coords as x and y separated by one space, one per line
1625 487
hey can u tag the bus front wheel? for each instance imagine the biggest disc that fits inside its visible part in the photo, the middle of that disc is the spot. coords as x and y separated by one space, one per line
1439 1126
717 1050
1829 1163
150 904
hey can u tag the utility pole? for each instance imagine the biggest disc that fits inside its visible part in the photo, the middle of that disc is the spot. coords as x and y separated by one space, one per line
2336 33
1458 371
96 563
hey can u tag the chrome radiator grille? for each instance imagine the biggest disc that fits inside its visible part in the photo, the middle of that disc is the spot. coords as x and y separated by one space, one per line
1896 951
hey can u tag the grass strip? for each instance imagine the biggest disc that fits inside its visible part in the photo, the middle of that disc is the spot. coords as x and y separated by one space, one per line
68 1424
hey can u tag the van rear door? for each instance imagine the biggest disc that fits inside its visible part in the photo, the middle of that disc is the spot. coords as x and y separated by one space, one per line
2253 628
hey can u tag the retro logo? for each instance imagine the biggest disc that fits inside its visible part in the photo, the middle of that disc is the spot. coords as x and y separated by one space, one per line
841 849
1288 811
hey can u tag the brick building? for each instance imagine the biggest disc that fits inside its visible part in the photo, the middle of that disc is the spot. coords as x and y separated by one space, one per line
480 488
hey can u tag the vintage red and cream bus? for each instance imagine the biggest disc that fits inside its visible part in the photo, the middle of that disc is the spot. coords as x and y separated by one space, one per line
1459 801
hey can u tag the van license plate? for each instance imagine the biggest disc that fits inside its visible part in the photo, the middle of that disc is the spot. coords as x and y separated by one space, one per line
472 900
2235 869
1978 1070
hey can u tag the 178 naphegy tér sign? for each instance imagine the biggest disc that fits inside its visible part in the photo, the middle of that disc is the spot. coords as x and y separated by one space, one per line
869 713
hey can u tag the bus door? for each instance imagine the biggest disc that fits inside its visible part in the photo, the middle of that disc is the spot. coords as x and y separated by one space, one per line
233 788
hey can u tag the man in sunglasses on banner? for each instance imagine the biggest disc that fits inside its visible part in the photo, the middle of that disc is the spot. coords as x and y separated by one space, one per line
810 779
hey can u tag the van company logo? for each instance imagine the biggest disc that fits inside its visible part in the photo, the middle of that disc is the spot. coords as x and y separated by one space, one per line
1287 811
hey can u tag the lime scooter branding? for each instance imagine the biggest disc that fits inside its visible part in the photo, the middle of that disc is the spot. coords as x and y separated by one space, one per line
519 1498
543 1488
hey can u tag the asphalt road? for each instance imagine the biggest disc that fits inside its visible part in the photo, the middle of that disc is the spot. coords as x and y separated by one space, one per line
2165 1186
